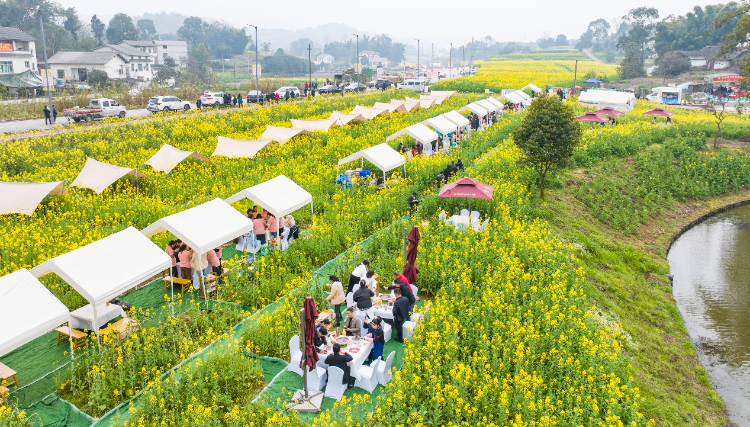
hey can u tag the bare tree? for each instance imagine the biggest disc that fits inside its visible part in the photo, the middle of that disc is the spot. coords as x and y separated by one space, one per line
720 115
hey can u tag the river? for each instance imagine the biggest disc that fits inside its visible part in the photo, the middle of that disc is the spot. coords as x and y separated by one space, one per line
711 268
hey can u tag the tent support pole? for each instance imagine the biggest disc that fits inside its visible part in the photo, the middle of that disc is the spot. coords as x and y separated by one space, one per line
171 282
70 340
96 325
312 212
203 282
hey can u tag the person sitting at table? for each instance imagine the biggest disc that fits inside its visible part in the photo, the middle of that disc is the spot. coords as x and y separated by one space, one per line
325 323
184 256
320 338
259 225
273 225
214 262
371 281
363 298
336 297
341 361
352 325
170 251
400 314
378 337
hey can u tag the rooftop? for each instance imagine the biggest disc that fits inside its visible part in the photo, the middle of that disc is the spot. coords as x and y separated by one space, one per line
139 43
124 49
9 33
94 58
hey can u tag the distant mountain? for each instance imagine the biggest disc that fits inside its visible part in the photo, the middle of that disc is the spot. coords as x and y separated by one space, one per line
169 23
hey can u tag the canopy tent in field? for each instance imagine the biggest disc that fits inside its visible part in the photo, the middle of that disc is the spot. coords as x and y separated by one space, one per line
658 112
591 117
533 87
487 105
418 131
457 118
442 125
344 118
367 112
28 310
516 97
393 107
279 196
409 105
593 81
423 103
280 135
495 102
476 109
236 148
621 101
321 125
438 99
168 157
108 267
98 176
445 94
24 197
382 156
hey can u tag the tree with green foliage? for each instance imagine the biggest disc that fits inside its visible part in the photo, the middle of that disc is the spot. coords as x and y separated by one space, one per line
193 31
695 30
223 40
635 42
97 27
738 37
146 29
673 63
167 71
279 52
561 40
72 23
284 65
548 136
201 57
97 78
299 47
121 28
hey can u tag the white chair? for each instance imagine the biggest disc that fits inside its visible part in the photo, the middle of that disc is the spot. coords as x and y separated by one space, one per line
387 331
296 358
442 217
335 387
316 378
475 214
361 316
349 299
416 292
464 212
484 224
408 329
384 369
368 376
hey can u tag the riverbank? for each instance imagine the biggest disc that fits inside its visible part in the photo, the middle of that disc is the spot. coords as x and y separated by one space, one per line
627 281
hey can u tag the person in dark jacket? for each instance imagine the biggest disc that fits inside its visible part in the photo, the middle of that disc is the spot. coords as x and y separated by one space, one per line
340 361
440 179
405 292
400 314
320 337
363 299
352 324
460 164
47 115
54 114
413 202
198 103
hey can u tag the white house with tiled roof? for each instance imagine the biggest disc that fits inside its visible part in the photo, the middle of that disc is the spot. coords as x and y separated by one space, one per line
141 62
75 66
17 51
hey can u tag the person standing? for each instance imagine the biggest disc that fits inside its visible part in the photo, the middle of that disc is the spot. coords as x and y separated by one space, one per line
286 96
198 103
239 99
54 114
47 115
213 260
336 297
413 202
359 273
234 101
363 298
184 256
259 225
352 325
306 88
378 337
400 314
170 251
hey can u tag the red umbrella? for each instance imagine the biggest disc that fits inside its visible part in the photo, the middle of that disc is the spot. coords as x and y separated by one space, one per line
610 112
410 270
591 117
311 315
659 112
468 188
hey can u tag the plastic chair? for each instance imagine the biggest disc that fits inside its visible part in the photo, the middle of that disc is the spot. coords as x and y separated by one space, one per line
296 358
384 369
464 212
359 315
387 331
368 376
335 387
475 214
408 329
484 224
349 299
442 217
316 378
416 292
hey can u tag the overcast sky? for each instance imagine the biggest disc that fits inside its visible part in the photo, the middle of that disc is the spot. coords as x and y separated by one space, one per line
434 21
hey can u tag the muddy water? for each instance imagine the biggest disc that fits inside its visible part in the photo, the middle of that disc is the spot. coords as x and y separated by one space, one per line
711 268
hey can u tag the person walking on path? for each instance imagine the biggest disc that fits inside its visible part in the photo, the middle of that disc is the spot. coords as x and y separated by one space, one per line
47 115
54 114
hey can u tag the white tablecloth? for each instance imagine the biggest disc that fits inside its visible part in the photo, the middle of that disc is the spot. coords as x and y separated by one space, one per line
83 318
384 311
459 221
359 357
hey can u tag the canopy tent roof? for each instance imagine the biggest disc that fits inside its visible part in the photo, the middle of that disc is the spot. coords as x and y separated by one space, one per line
31 309
23 79
367 112
410 105
516 96
393 107
418 131
423 103
280 196
280 135
441 124
533 87
457 118
591 116
604 98
168 157
659 112
108 267
438 99
495 102
321 125
98 176
487 105
24 197
234 148
203 227
443 93
381 155
476 109
344 118
593 80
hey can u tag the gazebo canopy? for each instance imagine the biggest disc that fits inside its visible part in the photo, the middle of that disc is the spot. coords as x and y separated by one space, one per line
280 135
31 309
108 267
98 176
533 87
438 99
24 197
367 112
382 156
321 125
203 227
234 148
487 105
344 118
393 107
516 97
280 196
495 102
168 157
441 124
418 131
476 109
457 118
409 105
593 81
423 103
445 94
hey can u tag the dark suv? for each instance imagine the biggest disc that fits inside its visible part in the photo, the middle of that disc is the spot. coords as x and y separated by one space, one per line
383 84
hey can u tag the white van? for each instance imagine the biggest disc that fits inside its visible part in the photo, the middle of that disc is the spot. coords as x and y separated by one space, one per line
412 84
666 95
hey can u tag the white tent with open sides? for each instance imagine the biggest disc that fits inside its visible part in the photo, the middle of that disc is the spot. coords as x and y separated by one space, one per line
418 131
516 97
24 197
621 101
476 109
344 118
495 102
168 157
487 105
280 196
533 87
108 267
457 118
236 148
98 176
367 112
382 156
442 125
28 310
280 135
321 125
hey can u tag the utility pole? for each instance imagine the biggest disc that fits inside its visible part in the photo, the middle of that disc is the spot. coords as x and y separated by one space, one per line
419 71
432 58
309 64
450 61
222 63
575 79
257 88
47 71
355 67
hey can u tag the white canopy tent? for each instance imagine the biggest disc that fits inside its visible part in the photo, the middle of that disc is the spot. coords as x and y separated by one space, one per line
24 197
108 267
98 176
280 135
457 118
533 87
442 125
344 118
487 105
622 101
168 157
321 125
516 97
495 102
418 131
279 196
476 109
367 112
382 156
393 107
28 310
236 148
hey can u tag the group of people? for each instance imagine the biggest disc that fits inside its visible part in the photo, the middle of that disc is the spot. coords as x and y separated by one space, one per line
449 171
188 264
265 220
311 88
50 115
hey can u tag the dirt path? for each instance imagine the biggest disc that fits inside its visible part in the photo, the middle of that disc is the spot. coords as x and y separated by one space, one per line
588 53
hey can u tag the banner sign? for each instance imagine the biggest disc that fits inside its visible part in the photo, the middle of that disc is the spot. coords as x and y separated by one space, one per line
256 70
6 47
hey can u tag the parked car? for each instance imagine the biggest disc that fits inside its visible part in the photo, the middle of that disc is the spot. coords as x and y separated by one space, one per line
412 84
328 89
284 89
84 87
166 103
255 95
383 84
372 83
212 99
97 109
355 87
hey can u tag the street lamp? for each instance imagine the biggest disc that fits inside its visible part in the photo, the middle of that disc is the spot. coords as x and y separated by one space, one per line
257 88
418 68
47 71
450 61
355 67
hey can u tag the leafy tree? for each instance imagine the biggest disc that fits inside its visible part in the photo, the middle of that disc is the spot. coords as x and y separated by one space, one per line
72 23
284 65
561 40
265 47
738 36
548 136
635 42
193 31
279 52
97 78
695 30
146 29
299 47
121 28
673 63
97 27
201 57
167 71
222 40
596 35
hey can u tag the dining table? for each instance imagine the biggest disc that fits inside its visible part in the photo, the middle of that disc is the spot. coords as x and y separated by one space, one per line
83 318
463 222
359 349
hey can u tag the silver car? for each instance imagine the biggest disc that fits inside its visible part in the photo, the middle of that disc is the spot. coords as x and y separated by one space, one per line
166 103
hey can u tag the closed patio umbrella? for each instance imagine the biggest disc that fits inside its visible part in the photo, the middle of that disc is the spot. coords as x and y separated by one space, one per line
410 270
